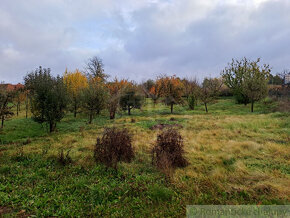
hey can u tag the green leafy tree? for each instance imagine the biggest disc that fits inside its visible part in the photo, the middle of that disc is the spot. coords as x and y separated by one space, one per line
48 97
191 91
130 99
247 79
233 76
94 98
275 80
256 82
147 86
209 90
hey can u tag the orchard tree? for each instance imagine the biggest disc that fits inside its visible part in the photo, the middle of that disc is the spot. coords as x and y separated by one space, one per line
116 88
48 97
95 68
191 90
233 76
256 82
153 94
94 97
147 86
19 97
248 79
75 83
130 99
6 104
209 90
171 89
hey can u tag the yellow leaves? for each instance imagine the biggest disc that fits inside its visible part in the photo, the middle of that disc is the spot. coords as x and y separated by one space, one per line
75 81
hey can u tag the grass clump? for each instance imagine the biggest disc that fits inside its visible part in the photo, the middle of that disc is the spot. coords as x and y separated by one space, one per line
114 146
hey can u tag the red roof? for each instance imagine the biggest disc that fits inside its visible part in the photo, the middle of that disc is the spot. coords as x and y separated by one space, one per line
11 87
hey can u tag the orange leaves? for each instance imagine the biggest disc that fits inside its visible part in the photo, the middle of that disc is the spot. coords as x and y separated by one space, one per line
153 90
75 81
169 86
116 86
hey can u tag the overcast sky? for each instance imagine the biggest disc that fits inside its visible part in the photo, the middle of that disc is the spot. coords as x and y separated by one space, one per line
139 39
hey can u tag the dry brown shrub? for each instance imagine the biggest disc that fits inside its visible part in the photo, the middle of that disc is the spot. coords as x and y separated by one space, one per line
64 158
114 146
168 153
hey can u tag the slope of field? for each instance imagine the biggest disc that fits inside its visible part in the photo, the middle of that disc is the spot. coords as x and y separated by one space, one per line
236 157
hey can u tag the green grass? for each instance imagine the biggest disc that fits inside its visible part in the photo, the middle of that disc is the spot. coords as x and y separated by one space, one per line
236 157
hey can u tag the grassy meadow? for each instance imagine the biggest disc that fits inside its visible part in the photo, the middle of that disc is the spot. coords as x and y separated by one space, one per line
235 156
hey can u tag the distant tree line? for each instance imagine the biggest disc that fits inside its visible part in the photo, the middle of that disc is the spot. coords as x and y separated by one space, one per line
89 91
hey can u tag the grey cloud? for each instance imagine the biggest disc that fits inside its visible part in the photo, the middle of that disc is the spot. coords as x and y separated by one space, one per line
140 39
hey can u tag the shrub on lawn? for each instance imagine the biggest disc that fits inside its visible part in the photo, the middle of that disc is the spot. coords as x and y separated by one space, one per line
63 158
114 146
168 153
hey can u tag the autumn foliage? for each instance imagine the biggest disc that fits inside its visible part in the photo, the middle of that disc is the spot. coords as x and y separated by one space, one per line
171 89
116 88
75 82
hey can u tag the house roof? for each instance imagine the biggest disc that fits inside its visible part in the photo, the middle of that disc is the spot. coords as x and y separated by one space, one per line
11 87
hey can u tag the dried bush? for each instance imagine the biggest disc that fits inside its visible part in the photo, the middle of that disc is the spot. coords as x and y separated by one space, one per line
283 105
27 141
63 158
114 146
167 154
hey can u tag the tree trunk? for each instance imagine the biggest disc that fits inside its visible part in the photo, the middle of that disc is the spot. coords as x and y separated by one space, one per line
129 110
17 109
171 108
205 104
52 126
112 115
2 122
252 106
26 110
154 102
75 107
91 118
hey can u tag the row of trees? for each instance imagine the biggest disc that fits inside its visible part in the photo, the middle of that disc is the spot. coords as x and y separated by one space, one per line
90 92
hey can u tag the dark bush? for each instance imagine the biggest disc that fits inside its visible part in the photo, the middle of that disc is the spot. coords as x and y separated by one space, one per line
191 102
63 158
27 141
114 146
167 154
